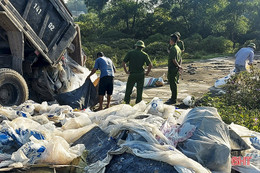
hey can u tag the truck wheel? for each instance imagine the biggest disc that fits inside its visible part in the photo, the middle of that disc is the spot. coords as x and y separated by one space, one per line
13 88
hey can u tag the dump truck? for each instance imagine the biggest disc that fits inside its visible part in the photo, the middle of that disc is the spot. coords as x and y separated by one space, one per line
34 37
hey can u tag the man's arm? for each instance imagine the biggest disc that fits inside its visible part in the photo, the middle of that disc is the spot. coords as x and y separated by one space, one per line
251 58
176 64
124 65
183 48
114 68
149 69
92 72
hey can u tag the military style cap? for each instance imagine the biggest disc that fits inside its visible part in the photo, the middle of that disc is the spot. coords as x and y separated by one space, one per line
140 43
178 34
252 45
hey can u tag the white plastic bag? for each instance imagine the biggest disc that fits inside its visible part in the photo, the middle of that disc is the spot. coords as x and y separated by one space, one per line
77 122
189 101
59 152
29 153
155 107
71 135
27 107
8 112
222 81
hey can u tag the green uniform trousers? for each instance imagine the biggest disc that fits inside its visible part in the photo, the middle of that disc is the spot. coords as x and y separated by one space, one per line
173 75
133 78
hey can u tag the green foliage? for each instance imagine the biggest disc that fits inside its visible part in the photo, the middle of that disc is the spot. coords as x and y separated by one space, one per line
157 50
240 104
198 55
213 44
192 43
257 42
90 26
121 44
76 5
123 15
244 89
157 38
95 4
118 24
113 35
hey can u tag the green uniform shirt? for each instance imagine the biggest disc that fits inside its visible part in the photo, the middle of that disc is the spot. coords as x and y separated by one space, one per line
180 43
136 59
175 53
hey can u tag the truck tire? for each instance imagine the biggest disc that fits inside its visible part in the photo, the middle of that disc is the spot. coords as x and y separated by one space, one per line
13 88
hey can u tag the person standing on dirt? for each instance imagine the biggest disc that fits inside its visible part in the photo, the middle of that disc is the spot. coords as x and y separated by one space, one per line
136 58
246 53
106 83
174 67
180 43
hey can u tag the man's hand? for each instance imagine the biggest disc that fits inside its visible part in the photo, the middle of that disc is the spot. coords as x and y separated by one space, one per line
180 69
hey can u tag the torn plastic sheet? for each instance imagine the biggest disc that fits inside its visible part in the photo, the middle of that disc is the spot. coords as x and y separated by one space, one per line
176 133
139 125
209 145
81 98
165 153
70 75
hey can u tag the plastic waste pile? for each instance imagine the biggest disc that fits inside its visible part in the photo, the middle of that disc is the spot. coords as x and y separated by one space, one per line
119 92
222 81
193 140
67 76
28 134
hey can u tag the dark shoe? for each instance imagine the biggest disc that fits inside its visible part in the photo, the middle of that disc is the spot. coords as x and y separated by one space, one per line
170 102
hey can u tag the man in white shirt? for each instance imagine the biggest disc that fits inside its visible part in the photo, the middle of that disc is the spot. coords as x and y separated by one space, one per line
245 53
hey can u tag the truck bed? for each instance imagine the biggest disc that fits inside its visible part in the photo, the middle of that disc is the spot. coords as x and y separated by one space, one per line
47 24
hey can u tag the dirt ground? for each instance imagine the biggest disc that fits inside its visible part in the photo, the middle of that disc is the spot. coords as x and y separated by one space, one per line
197 78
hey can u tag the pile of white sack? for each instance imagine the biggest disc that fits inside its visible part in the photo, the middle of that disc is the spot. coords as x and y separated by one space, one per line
35 133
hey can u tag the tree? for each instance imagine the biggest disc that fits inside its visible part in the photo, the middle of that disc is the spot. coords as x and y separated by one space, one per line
123 14
96 5
76 5
234 18
90 26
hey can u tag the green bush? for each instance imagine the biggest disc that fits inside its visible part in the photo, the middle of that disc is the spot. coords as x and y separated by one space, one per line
244 89
157 38
113 35
240 104
253 37
125 43
198 55
213 44
157 50
192 44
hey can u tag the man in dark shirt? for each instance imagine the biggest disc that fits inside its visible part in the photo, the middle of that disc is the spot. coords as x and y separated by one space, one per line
174 67
136 58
